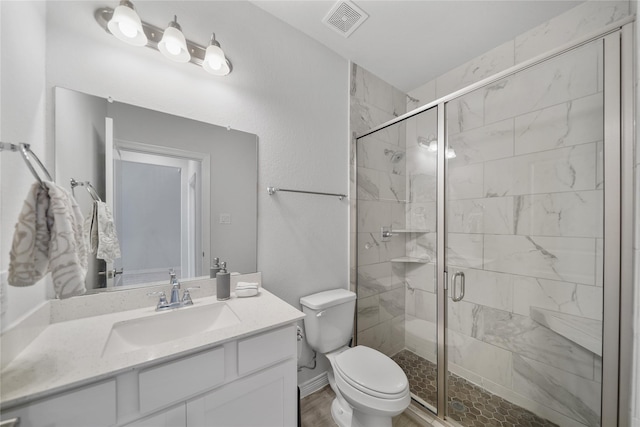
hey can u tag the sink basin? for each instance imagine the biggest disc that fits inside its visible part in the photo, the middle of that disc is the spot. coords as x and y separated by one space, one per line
134 334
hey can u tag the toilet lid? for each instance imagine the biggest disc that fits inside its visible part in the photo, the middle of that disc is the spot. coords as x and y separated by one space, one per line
371 372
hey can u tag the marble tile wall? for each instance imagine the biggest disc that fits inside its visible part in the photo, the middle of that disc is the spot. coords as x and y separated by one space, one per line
378 180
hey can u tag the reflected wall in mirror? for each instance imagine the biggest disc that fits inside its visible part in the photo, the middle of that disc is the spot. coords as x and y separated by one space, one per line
181 191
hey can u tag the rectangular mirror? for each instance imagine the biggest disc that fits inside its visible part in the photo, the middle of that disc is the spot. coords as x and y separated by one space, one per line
181 191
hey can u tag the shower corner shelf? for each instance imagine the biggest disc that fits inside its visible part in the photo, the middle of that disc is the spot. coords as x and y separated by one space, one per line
411 259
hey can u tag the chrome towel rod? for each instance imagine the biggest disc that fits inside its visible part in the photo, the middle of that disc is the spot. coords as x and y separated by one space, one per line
274 190
25 151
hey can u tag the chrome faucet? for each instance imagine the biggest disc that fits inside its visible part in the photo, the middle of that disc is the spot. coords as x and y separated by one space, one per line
176 301
175 287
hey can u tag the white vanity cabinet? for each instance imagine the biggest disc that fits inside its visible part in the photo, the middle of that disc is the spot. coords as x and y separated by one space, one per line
249 382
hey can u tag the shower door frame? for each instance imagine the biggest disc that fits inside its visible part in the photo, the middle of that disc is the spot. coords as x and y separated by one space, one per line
618 117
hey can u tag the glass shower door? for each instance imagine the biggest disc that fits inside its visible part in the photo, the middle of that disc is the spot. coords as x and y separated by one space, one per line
525 246
396 240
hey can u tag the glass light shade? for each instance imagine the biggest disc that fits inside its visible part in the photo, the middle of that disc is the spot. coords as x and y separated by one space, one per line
215 61
125 25
173 45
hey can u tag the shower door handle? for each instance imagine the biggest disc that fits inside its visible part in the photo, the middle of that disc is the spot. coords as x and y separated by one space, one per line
454 287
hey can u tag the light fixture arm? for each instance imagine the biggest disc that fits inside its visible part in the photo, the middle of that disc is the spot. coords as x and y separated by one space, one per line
213 41
174 23
154 35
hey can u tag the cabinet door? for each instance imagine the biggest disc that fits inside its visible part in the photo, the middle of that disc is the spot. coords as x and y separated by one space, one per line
174 417
265 399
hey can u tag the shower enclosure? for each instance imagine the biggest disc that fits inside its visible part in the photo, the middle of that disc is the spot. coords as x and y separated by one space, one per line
487 265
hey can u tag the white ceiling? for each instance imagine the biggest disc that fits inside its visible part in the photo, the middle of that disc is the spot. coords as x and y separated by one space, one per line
408 43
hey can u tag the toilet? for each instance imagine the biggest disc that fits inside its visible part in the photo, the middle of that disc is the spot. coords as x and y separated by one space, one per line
370 388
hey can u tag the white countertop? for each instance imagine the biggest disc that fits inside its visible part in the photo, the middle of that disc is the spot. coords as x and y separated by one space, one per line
68 354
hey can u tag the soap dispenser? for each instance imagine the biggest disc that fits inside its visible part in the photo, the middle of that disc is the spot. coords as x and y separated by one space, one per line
223 283
215 268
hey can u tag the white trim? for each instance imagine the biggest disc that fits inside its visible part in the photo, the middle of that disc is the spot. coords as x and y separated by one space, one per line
314 384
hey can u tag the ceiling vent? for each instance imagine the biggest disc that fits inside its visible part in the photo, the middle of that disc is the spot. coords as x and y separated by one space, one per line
345 17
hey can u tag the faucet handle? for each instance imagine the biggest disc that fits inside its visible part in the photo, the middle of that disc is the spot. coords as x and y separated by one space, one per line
186 297
162 302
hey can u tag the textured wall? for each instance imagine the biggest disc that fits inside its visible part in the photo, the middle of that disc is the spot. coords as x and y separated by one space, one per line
23 99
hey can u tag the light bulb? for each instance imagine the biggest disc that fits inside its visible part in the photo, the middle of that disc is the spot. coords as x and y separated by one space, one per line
173 48
433 146
214 63
128 29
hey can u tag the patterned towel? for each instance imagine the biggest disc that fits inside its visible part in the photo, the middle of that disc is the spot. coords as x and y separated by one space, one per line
100 233
48 238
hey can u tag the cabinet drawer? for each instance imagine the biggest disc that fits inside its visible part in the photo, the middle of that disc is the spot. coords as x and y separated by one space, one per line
176 381
94 405
266 349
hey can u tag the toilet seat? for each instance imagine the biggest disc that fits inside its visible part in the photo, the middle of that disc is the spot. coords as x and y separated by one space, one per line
371 372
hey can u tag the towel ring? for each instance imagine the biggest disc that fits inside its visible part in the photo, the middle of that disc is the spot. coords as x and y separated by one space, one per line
25 150
90 189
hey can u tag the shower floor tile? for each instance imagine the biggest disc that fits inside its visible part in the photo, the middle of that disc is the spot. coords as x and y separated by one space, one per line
468 404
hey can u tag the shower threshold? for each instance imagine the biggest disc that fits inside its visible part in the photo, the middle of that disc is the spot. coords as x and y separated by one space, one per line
467 403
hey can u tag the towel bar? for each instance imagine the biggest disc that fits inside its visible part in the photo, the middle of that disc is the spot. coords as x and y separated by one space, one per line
273 190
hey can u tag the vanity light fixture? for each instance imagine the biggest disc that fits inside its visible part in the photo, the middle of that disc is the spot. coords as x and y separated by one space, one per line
173 44
124 23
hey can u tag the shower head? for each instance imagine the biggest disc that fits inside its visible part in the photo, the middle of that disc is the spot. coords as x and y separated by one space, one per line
396 156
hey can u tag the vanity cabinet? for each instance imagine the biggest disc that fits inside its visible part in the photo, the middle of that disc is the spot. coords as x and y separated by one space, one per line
246 382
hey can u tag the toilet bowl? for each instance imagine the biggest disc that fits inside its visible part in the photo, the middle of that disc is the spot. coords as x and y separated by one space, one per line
370 388
373 385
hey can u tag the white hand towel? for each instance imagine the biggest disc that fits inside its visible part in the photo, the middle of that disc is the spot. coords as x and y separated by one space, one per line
247 285
100 232
48 238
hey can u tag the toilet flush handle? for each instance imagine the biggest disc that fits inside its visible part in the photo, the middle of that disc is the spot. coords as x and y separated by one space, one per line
321 313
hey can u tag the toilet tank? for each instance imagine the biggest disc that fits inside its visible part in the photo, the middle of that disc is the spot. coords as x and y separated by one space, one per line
329 319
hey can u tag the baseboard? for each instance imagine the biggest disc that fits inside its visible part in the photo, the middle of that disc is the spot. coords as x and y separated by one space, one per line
313 385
